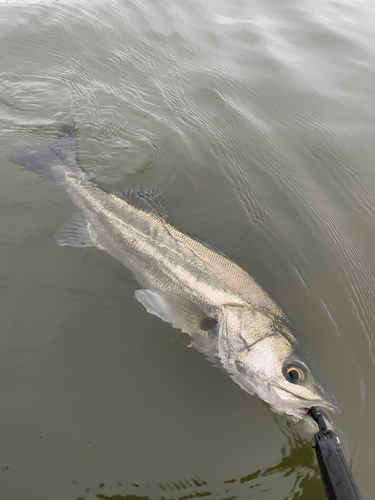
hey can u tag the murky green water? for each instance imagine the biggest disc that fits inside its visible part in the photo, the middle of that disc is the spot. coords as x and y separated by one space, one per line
258 120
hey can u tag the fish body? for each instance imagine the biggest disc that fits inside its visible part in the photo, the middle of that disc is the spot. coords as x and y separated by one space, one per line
187 282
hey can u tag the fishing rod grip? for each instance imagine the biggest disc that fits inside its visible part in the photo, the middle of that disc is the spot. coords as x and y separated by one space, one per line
337 479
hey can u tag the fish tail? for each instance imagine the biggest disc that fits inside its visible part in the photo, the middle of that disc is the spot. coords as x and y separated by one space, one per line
41 159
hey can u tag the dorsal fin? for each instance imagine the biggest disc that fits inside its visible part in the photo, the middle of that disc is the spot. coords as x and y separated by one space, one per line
147 199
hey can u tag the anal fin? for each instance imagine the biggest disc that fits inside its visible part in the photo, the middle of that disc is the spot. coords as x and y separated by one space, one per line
77 232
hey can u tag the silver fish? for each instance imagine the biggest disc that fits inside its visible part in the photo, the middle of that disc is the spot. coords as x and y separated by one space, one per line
187 282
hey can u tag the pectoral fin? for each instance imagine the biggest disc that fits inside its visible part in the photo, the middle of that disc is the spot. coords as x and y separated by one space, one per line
77 232
173 308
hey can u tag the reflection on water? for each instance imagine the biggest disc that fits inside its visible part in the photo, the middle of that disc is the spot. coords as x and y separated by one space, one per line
298 464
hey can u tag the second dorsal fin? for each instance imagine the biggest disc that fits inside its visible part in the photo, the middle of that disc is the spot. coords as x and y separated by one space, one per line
147 199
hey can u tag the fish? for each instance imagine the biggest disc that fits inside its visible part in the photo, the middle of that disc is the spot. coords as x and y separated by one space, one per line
187 282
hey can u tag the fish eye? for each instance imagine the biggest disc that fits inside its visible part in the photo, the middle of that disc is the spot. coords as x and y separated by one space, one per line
294 373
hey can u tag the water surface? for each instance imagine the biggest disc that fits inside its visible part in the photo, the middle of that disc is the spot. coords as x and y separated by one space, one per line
257 119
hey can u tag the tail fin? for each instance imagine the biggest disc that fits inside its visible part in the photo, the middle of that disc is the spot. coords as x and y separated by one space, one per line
40 160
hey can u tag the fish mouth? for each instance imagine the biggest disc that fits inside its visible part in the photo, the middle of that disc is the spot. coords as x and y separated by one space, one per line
305 406
283 401
304 410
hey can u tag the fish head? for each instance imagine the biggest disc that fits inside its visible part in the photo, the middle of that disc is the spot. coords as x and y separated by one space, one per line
265 357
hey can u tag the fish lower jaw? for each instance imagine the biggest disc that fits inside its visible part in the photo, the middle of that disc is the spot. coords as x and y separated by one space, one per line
295 408
296 413
280 401
274 397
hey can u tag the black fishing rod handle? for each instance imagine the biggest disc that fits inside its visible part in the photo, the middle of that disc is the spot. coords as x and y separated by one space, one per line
337 479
